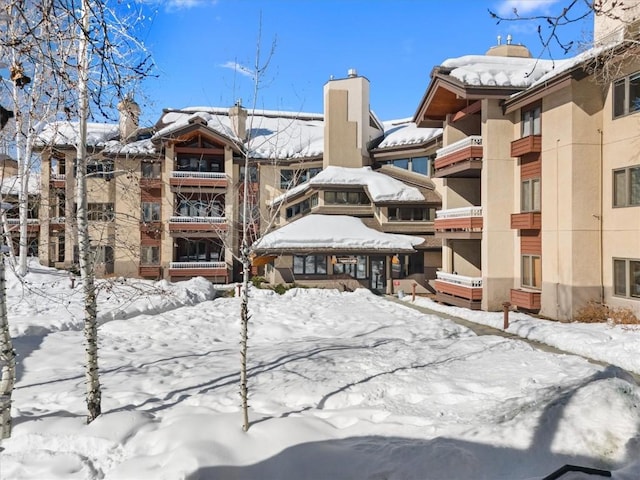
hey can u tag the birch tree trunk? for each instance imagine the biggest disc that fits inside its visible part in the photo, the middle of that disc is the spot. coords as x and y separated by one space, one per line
7 360
93 394
244 302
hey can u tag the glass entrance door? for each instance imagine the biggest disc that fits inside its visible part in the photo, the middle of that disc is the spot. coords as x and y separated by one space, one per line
377 278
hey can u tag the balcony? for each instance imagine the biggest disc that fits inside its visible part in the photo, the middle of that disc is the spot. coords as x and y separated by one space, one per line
150 271
58 180
216 271
525 299
150 183
57 223
198 179
526 145
460 159
33 224
459 290
526 221
464 222
197 224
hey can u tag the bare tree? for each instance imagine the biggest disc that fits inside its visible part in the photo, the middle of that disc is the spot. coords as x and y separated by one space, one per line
7 354
86 53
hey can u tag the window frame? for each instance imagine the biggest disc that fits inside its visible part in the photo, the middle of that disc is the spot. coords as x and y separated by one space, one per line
628 187
623 107
155 257
155 210
528 198
630 274
311 265
531 121
529 281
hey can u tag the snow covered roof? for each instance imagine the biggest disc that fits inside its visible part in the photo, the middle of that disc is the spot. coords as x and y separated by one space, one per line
273 134
66 133
490 70
405 132
12 186
139 147
381 187
333 232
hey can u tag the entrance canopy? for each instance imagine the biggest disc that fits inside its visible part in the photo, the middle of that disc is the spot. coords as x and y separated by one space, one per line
333 233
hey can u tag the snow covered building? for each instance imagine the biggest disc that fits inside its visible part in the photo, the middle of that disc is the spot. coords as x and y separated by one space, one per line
166 202
541 202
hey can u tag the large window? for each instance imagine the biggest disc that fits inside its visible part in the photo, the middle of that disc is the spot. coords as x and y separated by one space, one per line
353 266
310 265
626 277
151 169
198 250
530 124
150 212
198 163
100 212
530 195
411 214
626 95
421 165
290 178
302 207
149 255
346 198
626 187
531 271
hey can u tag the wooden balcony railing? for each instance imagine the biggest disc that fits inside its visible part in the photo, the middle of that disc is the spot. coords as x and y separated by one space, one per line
526 221
525 145
527 299
458 290
461 158
197 224
213 270
464 222
198 179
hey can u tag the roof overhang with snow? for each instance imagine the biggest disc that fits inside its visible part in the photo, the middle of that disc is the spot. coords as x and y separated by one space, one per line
333 234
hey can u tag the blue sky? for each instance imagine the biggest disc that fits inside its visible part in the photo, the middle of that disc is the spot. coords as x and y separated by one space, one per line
198 44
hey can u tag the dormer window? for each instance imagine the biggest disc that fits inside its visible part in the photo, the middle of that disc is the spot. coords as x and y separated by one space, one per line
530 122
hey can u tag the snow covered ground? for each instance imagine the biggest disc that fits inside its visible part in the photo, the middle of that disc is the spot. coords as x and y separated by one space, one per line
343 386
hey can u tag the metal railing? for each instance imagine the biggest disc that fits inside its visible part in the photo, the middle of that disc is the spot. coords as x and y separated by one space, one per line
185 219
58 176
473 282
471 141
197 265
209 175
16 221
459 212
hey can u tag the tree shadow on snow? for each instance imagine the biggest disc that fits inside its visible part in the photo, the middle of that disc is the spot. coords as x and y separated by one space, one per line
439 458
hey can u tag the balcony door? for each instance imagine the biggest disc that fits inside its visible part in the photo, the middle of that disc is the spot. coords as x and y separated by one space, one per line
377 271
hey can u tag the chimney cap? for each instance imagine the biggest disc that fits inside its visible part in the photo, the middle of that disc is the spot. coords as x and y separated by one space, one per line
351 73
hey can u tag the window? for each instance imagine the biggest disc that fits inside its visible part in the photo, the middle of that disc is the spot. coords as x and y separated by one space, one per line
151 169
626 95
626 277
96 169
149 255
531 271
420 165
198 163
346 198
356 270
102 254
411 214
530 195
626 187
310 265
100 212
302 207
61 247
198 250
150 212
530 124
290 178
